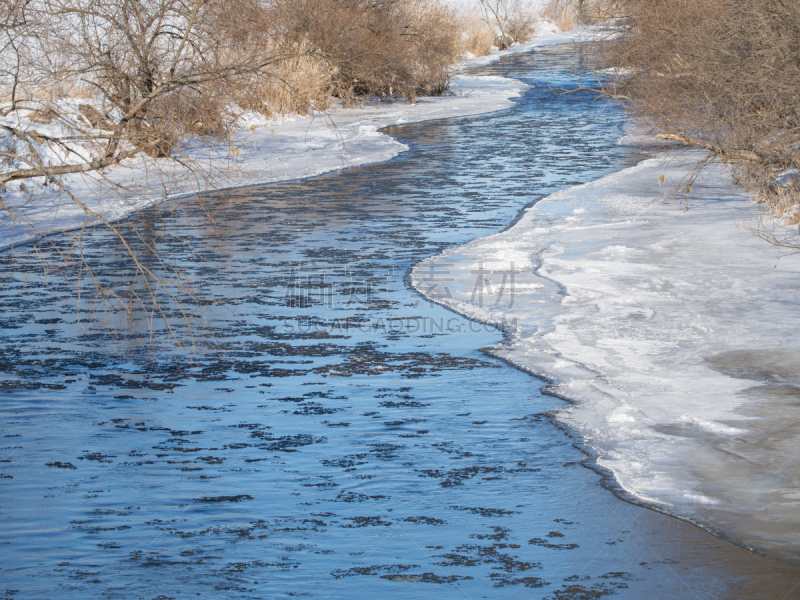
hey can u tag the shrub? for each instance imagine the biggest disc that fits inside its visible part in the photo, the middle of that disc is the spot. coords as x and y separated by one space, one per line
375 47
723 75
296 85
568 14
478 37
512 21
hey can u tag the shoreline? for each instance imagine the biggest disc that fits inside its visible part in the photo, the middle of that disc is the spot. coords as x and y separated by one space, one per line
608 479
549 387
270 151
581 337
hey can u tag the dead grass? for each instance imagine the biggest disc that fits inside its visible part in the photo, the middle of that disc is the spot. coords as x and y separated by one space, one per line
389 49
564 17
783 202
720 75
779 194
478 37
568 14
297 85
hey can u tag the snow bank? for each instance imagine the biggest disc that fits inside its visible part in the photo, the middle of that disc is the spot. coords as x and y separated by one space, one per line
261 152
673 331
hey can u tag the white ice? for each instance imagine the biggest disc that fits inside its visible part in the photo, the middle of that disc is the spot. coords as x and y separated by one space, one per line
671 327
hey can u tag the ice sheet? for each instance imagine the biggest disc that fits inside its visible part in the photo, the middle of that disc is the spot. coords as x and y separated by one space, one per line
669 325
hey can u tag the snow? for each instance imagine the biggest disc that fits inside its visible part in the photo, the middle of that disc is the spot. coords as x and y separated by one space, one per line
260 151
673 331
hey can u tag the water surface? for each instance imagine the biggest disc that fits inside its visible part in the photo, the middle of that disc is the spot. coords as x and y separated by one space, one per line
338 437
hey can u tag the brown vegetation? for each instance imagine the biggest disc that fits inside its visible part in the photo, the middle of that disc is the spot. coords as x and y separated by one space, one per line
721 75
718 75
164 70
568 14
512 21
478 36
384 48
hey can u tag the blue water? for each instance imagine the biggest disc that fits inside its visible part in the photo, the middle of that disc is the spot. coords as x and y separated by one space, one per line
330 434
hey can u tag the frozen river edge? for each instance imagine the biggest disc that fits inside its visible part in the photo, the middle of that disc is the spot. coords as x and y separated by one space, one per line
260 151
670 331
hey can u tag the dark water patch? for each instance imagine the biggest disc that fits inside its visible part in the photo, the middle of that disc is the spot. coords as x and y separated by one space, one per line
237 498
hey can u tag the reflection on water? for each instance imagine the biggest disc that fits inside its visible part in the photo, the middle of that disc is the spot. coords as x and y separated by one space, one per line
343 438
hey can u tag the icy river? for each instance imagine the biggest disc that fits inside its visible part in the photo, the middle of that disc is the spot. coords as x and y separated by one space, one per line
341 436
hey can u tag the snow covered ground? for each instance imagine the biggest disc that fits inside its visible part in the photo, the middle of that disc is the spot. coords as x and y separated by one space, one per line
673 331
262 151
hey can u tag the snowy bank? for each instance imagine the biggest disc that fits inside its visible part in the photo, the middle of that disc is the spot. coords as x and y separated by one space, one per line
261 151
673 331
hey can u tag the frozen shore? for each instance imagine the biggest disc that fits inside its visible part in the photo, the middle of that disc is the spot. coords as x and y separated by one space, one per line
673 331
262 151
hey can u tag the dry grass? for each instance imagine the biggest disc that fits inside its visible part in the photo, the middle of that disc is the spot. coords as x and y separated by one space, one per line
721 75
568 14
783 202
297 85
779 195
478 37
390 49
563 16
68 87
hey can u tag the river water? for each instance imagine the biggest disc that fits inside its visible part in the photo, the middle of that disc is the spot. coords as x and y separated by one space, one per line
335 436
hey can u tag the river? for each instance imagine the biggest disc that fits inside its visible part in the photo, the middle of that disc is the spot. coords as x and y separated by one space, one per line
334 435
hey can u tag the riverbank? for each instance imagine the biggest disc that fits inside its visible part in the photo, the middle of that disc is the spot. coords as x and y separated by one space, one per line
672 329
261 151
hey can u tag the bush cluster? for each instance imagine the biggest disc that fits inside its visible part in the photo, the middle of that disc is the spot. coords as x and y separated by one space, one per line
723 75
385 48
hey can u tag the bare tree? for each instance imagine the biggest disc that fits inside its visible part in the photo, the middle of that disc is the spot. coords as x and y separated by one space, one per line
512 19
569 13
151 65
90 84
